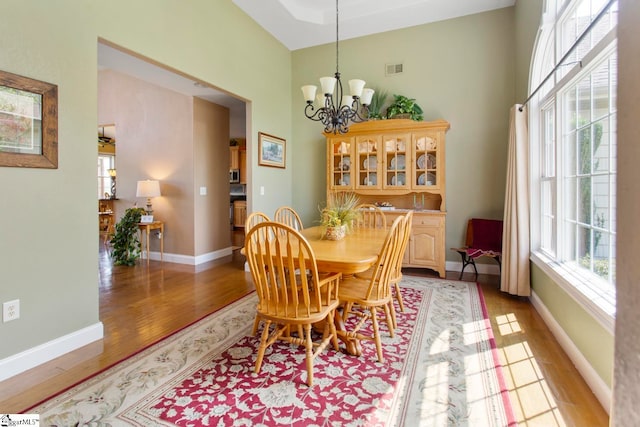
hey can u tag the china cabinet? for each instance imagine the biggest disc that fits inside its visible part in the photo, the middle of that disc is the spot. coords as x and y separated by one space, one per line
399 163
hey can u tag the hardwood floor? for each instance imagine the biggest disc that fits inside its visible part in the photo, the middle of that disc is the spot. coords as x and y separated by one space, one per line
140 305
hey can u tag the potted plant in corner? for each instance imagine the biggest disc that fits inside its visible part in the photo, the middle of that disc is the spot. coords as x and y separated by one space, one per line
339 214
125 242
404 108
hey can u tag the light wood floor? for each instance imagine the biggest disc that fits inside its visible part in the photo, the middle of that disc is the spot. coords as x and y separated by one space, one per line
140 305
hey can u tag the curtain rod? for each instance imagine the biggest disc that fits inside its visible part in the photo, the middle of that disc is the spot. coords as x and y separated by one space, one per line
573 46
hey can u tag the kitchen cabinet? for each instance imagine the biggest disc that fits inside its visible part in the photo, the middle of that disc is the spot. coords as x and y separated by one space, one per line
239 213
238 160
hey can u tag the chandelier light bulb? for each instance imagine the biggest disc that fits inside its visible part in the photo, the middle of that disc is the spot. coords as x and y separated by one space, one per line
356 86
309 92
367 96
328 85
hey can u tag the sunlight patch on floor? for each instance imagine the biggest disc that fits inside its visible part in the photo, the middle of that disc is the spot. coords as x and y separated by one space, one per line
508 324
531 398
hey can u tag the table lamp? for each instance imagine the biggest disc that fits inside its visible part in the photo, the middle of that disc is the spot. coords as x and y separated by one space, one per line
112 174
148 188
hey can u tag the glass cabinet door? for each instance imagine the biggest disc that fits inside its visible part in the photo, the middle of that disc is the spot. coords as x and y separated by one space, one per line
340 165
425 162
369 163
397 157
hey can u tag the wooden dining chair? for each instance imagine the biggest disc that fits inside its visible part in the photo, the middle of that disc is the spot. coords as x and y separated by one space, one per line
370 216
253 219
363 298
288 216
290 303
396 278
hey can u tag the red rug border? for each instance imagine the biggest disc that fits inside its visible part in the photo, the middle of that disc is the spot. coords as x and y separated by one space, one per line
24 411
504 391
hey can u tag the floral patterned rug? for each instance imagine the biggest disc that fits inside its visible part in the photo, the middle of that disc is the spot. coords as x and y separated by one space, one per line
441 369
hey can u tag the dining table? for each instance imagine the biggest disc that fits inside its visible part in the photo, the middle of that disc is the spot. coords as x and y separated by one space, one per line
355 253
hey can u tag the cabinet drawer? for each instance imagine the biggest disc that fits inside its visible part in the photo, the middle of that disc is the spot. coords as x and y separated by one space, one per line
428 220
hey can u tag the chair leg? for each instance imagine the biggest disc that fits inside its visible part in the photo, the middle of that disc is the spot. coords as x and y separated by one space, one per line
263 346
309 348
390 316
256 325
399 297
376 334
466 260
334 333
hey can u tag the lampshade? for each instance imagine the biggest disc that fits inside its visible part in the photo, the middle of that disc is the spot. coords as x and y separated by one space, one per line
309 92
112 172
367 95
148 188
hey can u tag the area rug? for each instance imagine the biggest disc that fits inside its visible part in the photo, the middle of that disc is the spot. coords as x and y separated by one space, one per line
440 369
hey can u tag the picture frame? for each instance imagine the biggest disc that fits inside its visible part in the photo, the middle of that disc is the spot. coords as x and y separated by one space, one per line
272 151
28 122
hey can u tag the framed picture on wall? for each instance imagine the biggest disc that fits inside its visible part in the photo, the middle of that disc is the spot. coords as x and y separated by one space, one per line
28 122
271 150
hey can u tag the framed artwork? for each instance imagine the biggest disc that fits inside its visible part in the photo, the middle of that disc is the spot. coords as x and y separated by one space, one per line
271 150
28 122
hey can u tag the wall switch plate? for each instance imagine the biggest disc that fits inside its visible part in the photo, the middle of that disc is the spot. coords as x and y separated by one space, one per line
203 191
10 310
262 190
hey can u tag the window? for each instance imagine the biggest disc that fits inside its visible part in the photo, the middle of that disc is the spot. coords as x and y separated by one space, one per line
573 151
105 162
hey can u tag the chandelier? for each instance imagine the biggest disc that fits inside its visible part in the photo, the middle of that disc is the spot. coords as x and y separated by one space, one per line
337 109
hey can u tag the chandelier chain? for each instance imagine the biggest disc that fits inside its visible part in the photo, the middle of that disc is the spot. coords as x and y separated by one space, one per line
337 37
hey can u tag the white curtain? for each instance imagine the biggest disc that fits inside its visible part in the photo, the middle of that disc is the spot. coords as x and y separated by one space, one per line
515 278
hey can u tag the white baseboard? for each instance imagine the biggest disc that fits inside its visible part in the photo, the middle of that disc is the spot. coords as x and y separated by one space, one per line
597 385
482 267
18 363
188 259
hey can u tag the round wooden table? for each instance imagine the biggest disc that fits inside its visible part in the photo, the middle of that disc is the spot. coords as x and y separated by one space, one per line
357 252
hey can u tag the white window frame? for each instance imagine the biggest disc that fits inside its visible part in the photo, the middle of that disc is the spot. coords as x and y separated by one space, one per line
105 180
575 283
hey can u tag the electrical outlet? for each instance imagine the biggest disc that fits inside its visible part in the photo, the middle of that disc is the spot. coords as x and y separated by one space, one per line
10 310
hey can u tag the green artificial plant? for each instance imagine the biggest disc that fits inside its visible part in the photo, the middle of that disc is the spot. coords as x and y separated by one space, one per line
340 210
403 105
125 243
377 101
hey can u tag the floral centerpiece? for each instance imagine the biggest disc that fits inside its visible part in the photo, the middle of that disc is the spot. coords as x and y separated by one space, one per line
339 214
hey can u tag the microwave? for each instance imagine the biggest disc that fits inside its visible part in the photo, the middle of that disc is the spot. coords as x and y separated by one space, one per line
234 176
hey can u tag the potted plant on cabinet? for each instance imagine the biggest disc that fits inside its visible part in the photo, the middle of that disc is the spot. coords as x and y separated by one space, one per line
339 214
125 242
377 101
404 108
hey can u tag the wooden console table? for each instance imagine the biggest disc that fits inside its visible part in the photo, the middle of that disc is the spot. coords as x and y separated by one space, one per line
147 227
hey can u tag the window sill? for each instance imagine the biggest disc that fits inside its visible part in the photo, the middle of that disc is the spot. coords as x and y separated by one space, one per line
600 305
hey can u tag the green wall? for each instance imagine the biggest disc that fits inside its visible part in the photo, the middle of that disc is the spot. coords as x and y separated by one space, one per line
461 70
48 227
592 339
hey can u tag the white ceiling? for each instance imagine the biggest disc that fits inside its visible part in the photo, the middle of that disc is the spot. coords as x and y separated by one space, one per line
303 23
